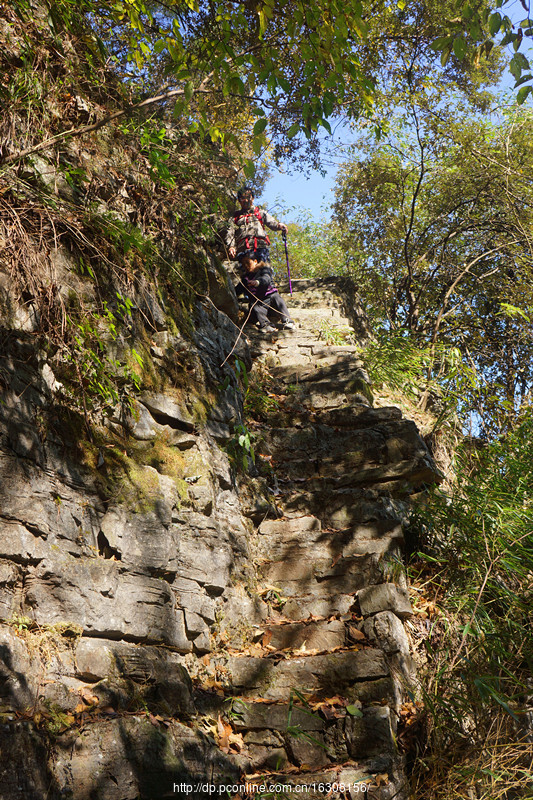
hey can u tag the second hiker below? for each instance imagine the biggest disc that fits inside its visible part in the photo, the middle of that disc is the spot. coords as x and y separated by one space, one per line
248 242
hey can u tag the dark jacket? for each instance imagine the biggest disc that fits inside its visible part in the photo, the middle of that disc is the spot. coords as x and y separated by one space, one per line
265 277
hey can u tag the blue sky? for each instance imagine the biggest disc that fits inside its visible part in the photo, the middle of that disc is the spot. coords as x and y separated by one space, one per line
313 193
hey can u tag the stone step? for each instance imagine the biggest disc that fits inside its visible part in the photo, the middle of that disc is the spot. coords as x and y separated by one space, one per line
293 413
292 528
262 344
278 538
336 783
341 509
404 476
359 675
300 607
353 471
342 367
282 336
344 371
308 635
313 317
381 443
314 738
325 395
358 416
301 573
322 350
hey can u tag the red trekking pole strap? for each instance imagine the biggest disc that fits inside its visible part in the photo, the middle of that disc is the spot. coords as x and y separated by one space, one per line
284 234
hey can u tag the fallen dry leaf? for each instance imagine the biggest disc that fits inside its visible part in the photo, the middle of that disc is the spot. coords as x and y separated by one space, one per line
355 633
88 697
236 742
254 650
223 733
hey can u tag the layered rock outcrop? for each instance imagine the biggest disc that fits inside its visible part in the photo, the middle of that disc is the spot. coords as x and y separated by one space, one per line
171 623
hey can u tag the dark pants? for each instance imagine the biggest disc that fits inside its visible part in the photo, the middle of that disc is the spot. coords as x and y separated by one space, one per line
272 309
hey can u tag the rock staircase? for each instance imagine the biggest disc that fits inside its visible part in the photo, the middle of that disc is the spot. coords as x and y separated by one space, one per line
192 632
318 698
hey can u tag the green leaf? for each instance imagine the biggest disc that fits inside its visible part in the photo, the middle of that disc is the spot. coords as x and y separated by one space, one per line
507 39
523 79
260 126
441 42
513 311
293 130
467 11
285 84
249 168
474 30
237 86
515 68
459 47
522 60
495 21
360 27
353 711
445 55
523 94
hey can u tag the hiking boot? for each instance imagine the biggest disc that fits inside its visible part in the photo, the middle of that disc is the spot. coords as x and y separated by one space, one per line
289 325
268 329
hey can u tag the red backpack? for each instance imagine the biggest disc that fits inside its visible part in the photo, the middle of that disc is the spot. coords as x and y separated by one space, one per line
254 213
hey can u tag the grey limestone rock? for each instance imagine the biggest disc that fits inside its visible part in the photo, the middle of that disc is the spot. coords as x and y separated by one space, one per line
331 672
167 410
386 630
106 601
372 734
384 597
156 673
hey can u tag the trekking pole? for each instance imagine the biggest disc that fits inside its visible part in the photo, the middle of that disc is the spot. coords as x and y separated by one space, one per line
284 234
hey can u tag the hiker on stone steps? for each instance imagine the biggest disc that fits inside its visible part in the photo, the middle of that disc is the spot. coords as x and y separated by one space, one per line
247 238
265 302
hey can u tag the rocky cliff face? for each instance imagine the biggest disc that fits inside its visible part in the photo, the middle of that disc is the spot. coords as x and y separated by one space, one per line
175 618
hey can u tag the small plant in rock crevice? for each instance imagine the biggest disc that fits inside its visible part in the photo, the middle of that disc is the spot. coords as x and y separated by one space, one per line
296 731
241 447
45 640
335 335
